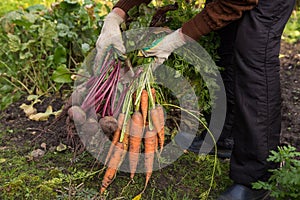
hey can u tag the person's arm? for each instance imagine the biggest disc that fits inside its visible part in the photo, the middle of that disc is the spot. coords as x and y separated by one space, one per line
120 12
216 15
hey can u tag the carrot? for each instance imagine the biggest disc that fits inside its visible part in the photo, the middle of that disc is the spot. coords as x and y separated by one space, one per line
161 115
114 164
135 139
161 139
116 136
126 137
153 92
155 119
144 105
161 132
121 119
150 148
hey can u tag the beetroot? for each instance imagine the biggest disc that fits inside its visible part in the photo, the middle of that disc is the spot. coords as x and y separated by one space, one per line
77 115
108 124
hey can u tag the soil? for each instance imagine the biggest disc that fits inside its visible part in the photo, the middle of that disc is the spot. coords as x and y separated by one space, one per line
290 86
25 131
54 133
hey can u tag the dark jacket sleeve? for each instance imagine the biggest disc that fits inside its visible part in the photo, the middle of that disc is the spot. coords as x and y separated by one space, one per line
216 15
128 4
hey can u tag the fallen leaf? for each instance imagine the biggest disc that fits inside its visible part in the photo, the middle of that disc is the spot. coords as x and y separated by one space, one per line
28 109
49 109
44 145
32 97
57 113
61 147
137 197
42 116
2 160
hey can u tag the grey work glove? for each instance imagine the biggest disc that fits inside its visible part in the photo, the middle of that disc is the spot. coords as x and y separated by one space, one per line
163 47
110 36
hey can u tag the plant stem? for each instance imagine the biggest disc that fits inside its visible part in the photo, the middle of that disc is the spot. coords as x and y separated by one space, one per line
115 89
126 110
111 87
9 81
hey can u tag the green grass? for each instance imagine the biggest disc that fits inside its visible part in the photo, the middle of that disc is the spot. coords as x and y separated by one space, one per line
49 177
58 176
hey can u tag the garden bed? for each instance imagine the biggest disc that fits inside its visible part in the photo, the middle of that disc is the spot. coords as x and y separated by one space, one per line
20 136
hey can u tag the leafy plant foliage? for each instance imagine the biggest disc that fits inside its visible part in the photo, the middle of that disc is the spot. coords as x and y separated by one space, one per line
285 181
291 32
42 47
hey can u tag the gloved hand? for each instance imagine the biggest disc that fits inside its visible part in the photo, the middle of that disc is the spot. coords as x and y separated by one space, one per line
163 47
110 36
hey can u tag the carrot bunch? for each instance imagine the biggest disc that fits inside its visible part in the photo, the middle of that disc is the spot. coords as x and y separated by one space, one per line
140 122
139 126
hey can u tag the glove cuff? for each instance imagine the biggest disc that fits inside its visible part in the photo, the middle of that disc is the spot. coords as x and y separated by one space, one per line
178 38
112 16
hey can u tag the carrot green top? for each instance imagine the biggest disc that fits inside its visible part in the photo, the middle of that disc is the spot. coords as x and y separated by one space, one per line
215 15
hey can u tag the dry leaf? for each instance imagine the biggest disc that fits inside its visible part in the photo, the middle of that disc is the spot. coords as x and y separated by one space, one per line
42 116
61 147
44 146
28 109
137 197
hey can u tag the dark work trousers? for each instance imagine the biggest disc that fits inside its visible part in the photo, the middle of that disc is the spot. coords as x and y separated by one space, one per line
249 54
